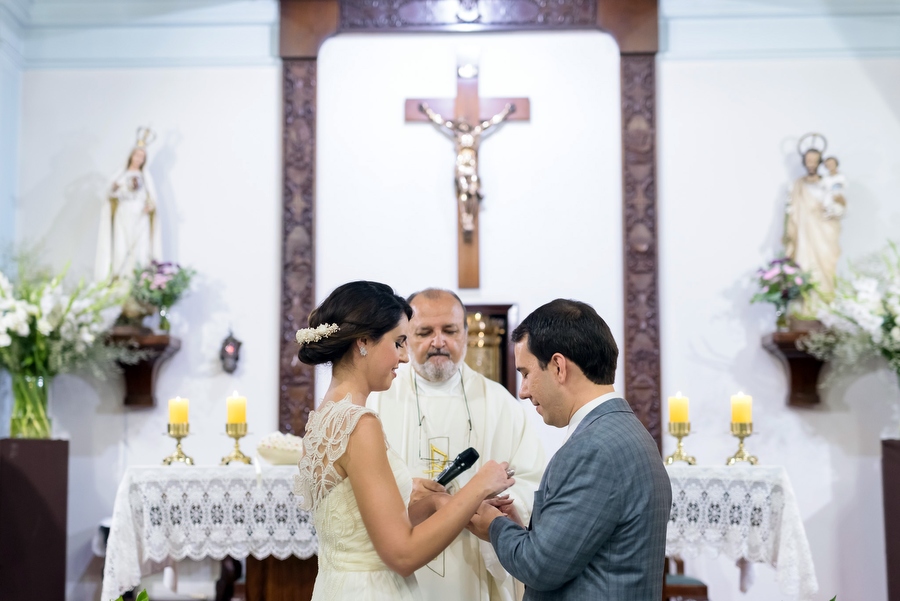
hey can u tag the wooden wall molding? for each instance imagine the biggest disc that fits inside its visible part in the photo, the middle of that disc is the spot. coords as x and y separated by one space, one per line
633 23
296 390
641 264
455 15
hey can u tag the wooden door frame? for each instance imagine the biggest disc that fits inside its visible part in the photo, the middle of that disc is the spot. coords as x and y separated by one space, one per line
306 24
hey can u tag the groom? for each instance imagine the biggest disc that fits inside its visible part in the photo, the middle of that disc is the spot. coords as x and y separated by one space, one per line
598 525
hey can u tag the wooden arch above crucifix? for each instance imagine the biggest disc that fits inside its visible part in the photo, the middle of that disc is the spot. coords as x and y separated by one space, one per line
306 24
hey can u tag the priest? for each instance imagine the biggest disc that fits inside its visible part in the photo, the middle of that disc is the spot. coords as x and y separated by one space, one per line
436 408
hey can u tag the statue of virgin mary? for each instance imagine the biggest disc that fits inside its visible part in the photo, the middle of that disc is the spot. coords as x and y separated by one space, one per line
130 233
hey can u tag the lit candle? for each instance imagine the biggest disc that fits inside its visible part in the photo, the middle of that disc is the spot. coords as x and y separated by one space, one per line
237 408
741 408
678 408
178 410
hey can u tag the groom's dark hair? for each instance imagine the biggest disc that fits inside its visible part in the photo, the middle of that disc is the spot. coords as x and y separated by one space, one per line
574 330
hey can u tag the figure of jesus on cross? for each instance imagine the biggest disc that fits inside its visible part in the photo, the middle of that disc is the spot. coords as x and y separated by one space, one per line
467 137
466 128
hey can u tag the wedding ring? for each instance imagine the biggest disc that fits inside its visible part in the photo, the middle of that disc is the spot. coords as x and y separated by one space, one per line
511 472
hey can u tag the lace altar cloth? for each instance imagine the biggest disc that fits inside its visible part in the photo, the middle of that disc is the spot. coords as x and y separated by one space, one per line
746 513
175 512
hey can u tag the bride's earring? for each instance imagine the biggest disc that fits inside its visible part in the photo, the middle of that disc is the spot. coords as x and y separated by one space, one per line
363 351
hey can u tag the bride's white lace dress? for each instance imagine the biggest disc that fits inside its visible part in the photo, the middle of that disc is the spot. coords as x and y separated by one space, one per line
349 566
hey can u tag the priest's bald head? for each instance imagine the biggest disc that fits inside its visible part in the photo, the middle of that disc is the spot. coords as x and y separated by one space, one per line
437 334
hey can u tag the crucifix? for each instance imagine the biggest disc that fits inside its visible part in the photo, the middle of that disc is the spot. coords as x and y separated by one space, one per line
472 118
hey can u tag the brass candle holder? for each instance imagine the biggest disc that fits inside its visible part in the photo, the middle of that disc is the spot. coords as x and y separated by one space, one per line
742 430
236 431
178 431
679 430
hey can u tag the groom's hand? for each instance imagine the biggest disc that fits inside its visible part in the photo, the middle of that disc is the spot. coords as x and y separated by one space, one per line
422 488
480 523
505 504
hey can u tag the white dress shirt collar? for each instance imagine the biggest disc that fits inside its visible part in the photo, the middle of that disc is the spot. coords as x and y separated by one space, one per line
587 408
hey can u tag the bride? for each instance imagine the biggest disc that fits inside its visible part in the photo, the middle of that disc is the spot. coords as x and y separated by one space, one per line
357 488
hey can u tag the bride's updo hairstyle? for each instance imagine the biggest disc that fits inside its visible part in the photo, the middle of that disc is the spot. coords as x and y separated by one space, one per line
360 310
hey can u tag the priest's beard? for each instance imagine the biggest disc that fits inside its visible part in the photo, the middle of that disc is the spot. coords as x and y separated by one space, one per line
436 371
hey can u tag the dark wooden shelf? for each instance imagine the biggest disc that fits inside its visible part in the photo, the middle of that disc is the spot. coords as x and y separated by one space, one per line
140 378
803 369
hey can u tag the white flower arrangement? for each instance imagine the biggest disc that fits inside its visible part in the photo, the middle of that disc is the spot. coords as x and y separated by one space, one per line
863 319
46 330
307 335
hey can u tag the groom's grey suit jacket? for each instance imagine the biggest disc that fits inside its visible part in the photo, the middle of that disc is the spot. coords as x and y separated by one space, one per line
598 526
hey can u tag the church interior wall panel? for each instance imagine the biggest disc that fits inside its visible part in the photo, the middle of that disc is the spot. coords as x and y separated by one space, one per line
10 95
216 165
727 144
699 29
551 217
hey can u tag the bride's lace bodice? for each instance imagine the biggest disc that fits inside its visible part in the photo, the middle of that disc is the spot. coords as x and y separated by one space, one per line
344 543
327 434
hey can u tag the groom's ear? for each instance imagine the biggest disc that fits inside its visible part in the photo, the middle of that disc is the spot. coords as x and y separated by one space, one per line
558 366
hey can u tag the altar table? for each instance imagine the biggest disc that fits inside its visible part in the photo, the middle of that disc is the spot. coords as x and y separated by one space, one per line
746 513
193 512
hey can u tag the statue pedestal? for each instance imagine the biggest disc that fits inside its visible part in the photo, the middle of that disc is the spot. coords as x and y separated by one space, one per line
139 378
803 368
34 484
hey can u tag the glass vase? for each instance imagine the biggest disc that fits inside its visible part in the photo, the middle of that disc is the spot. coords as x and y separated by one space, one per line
29 413
164 325
782 322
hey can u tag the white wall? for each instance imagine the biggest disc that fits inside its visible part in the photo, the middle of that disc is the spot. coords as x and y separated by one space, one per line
551 219
727 145
216 164
11 62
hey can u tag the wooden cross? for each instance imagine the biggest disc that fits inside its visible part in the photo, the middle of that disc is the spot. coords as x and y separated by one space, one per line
471 116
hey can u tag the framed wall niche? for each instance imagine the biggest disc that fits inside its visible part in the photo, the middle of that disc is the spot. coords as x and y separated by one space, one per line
489 350
306 24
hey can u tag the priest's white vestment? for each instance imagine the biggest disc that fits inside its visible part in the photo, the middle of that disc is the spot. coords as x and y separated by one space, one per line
428 424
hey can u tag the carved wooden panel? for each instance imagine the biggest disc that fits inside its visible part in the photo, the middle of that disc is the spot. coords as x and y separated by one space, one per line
296 384
464 14
642 349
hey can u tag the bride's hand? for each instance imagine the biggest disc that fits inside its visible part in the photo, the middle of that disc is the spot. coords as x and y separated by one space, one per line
493 478
423 488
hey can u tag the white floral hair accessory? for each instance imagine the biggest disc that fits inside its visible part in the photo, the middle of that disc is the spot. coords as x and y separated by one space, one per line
307 335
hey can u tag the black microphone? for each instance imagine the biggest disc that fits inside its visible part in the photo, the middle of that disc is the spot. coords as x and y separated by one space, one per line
463 461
